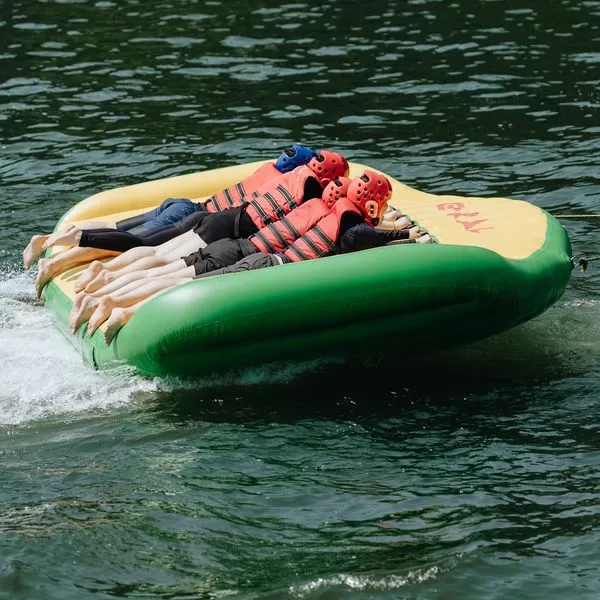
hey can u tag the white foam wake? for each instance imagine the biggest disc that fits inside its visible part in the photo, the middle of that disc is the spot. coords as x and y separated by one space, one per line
41 373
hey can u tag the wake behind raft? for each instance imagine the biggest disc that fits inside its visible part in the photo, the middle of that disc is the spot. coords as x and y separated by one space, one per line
497 263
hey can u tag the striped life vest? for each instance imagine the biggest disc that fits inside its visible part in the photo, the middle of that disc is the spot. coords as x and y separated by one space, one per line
236 194
279 236
322 239
285 194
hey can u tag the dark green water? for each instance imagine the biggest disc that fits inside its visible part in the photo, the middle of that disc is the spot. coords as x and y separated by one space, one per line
474 474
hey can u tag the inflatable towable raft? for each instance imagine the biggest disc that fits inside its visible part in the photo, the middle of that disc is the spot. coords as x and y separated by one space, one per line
496 264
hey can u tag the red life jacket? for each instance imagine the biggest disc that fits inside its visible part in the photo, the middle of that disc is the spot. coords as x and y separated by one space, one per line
279 236
322 239
236 194
285 193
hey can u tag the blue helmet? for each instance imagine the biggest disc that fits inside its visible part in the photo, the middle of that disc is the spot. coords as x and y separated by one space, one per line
293 157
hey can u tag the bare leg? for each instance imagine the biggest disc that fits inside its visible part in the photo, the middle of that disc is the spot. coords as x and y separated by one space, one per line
117 284
120 261
93 270
82 312
66 226
177 268
69 237
120 317
103 310
182 271
106 277
49 267
95 224
85 304
39 243
33 249
131 281
182 245
135 296
79 298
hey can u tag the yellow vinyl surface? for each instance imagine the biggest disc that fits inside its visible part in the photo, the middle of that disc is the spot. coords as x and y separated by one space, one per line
512 228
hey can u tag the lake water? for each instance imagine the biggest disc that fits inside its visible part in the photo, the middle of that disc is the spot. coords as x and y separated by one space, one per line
469 474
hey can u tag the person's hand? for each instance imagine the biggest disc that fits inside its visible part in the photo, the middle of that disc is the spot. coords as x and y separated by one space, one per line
391 215
414 233
401 223
398 224
425 239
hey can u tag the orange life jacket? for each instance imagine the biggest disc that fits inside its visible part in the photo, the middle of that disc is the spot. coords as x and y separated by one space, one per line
285 194
236 194
321 239
279 236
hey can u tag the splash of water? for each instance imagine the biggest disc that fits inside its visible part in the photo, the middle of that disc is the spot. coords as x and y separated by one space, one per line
43 375
363 583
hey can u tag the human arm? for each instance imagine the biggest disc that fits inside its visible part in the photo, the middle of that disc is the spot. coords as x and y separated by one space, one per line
362 237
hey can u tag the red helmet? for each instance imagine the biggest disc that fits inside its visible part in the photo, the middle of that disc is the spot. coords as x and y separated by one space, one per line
327 166
370 192
334 190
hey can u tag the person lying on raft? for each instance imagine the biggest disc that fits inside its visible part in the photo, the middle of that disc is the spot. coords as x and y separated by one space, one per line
125 269
173 210
274 199
101 274
343 221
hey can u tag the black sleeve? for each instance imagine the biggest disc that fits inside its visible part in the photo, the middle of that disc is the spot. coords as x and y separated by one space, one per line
362 237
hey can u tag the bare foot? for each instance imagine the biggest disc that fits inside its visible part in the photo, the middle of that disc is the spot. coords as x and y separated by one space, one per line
44 275
94 269
33 249
101 313
70 237
425 239
103 278
85 311
118 318
77 301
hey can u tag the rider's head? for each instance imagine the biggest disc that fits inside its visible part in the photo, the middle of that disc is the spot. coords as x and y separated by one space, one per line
370 192
328 165
335 190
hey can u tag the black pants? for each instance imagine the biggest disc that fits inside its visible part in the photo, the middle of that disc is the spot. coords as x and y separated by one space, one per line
219 254
260 260
209 226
